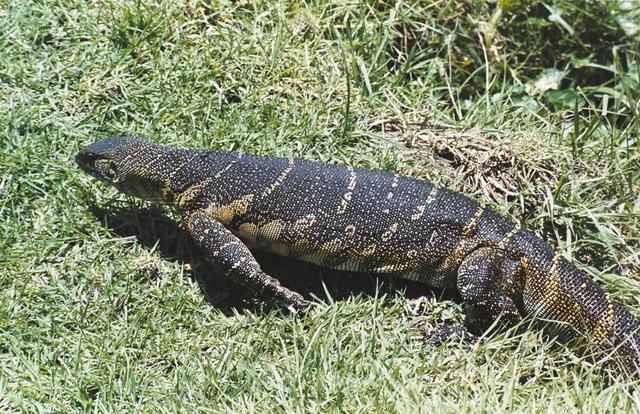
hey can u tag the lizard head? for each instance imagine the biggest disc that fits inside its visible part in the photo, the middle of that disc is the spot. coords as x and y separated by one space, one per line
125 163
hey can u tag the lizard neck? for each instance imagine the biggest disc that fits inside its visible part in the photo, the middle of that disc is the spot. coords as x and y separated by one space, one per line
158 173
190 172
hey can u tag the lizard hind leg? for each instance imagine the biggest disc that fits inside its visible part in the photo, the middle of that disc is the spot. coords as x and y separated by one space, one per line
489 283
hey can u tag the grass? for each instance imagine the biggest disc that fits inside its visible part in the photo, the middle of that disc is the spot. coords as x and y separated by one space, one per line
530 106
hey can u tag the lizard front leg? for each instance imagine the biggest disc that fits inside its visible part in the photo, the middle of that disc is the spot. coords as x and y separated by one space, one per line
235 260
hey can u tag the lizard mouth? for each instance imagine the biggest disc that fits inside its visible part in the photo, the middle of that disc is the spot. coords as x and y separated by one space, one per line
83 161
87 162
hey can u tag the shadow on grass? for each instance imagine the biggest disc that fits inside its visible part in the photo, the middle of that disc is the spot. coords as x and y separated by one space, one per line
152 227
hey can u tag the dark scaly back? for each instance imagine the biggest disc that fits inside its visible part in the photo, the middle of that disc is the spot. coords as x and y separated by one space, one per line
336 216
355 219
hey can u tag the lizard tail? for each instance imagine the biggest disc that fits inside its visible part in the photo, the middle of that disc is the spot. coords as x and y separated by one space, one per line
557 292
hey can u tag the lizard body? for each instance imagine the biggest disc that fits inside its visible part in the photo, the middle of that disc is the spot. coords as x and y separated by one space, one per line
359 220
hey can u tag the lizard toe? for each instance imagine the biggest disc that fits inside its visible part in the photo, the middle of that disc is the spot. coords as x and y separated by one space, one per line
447 332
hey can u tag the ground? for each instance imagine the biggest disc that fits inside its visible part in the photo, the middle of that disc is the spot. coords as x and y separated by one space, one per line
106 305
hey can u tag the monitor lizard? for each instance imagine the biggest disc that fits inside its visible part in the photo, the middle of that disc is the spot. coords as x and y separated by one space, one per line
359 220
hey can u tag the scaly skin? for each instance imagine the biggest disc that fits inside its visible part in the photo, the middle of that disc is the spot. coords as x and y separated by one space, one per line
354 219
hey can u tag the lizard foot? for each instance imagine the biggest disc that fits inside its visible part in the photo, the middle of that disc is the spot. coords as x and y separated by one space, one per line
300 308
447 332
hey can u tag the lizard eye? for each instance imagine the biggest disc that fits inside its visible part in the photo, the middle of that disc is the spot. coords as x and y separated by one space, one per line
108 169
110 172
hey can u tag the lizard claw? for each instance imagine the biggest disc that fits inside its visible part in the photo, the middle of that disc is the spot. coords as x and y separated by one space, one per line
299 309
